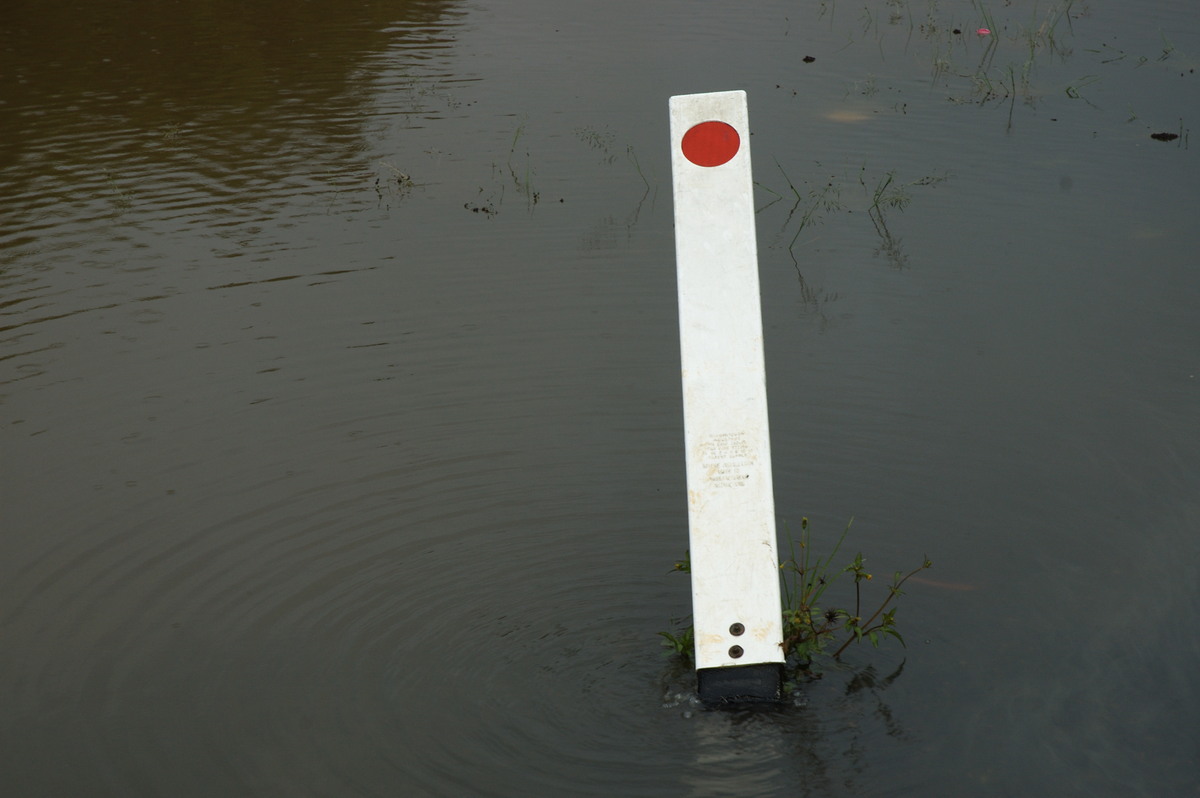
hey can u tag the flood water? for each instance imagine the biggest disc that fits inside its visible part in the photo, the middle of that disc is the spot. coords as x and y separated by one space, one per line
340 423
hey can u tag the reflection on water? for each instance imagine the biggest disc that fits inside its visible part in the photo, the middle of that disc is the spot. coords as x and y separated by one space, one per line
338 370
146 142
817 742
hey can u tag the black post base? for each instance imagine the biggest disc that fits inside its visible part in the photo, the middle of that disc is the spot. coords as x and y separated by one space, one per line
740 683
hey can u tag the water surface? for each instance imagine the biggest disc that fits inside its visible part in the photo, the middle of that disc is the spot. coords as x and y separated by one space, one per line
342 446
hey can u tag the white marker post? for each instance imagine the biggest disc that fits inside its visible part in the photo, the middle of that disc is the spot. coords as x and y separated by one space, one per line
731 509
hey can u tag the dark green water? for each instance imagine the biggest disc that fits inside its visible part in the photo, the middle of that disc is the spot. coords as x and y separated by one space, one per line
340 429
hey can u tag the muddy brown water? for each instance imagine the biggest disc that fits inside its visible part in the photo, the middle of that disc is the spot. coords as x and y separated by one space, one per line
341 444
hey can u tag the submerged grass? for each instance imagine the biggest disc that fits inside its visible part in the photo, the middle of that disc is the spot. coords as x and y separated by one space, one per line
985 52
835 193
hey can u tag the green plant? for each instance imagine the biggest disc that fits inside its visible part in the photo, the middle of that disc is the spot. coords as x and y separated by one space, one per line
827 198
815 627
682 644
887 193
636 165
522 178
1013 50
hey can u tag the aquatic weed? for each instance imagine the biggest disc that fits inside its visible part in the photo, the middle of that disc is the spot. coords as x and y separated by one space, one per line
815 628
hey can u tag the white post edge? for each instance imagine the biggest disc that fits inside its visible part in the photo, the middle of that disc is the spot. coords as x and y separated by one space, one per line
731 510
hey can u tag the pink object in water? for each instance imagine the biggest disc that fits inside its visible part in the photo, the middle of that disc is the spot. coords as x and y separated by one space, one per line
983 31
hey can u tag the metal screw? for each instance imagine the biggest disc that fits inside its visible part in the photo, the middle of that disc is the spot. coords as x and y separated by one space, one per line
736 629
735 651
